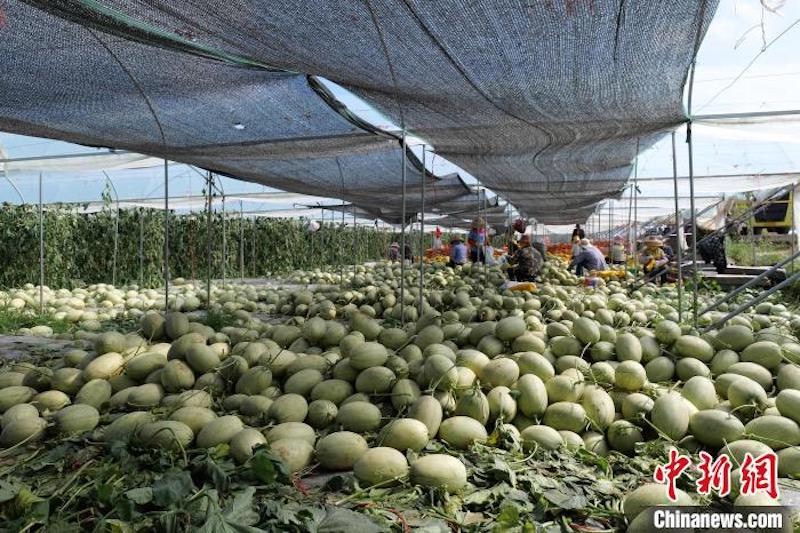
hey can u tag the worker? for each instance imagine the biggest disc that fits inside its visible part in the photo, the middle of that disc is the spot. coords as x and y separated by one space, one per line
711 247
589 258
437 239
394 252
653 259
578 232
408 254
576 247
617 254
476 240
458 252
526 263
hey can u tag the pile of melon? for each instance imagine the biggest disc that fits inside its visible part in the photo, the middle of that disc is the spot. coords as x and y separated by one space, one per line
345 385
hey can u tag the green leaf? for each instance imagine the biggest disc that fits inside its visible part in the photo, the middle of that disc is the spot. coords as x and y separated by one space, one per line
172 489
8 491
141 495
240 510
347 521
566 500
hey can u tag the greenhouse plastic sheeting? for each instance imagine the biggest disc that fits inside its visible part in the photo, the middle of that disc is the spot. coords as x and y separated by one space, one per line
66 81
539 100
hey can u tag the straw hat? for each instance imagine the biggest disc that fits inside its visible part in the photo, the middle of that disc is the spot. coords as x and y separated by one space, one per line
394 245
653 241
585 242
478 222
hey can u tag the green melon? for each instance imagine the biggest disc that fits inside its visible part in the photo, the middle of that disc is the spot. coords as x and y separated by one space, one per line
293 431
765 353
166 434
76 419
735 337
541 437
461 431
125 427
628 348
194 417
340 450
22 430
288 408
660 369
381 466
700 391
775 431
243 443
404 434
439 471
691 346
623 436
714 427
219 431
630 376
651 495
599 407
670 416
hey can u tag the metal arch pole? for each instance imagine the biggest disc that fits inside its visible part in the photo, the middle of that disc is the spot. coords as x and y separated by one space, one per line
694 221
677 229
41 248
422 236
209 184
241 241
403 234
141 247
355 240
794 233
116 232
224 244
636 201
14 186
758 299
166 235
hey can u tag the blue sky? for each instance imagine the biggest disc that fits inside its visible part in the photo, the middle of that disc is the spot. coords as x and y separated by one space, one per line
736 36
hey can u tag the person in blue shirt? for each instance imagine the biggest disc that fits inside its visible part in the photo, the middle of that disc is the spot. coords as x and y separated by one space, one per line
458 252
589 258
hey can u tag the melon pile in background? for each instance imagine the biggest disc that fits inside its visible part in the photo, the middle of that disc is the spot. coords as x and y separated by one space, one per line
339 382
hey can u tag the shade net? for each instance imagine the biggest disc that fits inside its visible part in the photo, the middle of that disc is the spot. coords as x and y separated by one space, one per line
545 102
66 81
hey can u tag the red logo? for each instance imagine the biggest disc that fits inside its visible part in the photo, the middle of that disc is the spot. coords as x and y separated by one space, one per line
670 472
714 474
760 474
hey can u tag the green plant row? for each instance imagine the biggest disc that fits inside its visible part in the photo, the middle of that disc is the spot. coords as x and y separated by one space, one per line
80 246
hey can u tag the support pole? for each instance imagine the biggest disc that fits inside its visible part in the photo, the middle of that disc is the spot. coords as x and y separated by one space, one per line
422 236
116 232
636 203
751 234
141 247
241 241
209 185
224 244
678 231
694 222
166 235
757 300
355 241
41 248
403 234
752 282
793 232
